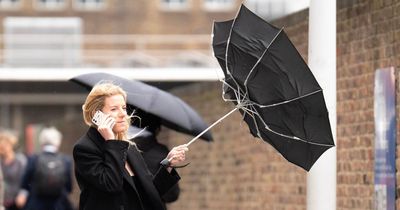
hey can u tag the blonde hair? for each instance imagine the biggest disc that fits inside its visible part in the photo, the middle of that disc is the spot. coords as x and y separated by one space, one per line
8 136
95 101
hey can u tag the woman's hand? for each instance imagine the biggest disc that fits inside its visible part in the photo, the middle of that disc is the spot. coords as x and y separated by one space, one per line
177 155
105 128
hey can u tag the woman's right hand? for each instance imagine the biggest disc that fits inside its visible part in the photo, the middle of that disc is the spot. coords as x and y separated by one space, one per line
105 128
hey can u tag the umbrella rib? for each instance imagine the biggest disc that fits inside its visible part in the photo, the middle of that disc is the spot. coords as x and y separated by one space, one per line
287 101
258 61
254 112
242 104
260 58
226 52
236 91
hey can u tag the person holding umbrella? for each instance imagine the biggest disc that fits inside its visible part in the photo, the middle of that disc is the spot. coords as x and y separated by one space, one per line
152 150
109 169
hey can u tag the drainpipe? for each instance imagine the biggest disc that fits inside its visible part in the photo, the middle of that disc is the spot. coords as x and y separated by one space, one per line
321 179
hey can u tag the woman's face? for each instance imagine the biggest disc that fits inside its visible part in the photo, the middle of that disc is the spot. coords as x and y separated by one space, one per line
115 106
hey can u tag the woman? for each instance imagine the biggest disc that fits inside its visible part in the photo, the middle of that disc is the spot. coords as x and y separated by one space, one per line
13 167
110 170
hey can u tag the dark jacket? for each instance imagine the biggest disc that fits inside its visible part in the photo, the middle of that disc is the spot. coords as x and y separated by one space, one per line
153 153
104 182
36 202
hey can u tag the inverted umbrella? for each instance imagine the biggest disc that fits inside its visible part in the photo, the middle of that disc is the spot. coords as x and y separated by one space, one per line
172 111
273 88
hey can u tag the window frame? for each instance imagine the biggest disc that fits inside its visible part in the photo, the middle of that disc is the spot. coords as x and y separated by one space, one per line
10 5
50 5
219 5
79 5
174 5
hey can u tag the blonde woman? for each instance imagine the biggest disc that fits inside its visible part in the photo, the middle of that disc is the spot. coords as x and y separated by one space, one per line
13 168
110 170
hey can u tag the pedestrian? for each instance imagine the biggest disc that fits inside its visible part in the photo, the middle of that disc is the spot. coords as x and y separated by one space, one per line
1 190
13 168
110 170
153 151
47 181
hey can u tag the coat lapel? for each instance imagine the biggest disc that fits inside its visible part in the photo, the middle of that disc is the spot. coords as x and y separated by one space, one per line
128 178
135 160
140 170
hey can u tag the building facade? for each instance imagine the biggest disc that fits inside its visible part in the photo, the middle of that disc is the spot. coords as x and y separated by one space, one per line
237 171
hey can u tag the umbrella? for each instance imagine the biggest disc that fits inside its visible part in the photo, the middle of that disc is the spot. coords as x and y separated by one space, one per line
172 111
272 87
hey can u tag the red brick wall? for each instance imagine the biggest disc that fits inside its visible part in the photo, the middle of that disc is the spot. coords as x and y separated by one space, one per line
366 42
238 171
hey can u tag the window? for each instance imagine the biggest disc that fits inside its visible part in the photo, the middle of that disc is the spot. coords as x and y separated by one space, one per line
10 4
219 5
174 5
90 4
42 42
273 9
49 4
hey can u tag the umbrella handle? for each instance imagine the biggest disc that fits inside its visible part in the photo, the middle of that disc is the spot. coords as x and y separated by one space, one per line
216 122
167 163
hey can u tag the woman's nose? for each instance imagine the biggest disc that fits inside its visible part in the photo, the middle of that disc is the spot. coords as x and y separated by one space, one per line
121 113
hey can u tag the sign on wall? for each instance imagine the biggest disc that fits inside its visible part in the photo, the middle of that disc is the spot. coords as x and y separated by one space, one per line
385 139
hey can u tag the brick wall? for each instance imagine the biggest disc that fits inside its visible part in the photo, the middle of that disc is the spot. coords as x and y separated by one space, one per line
130 17
366 41
238 171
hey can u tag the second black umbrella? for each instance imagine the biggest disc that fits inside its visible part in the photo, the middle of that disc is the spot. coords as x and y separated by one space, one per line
173 112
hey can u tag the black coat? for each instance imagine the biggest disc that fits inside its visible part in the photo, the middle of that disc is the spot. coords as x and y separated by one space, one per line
104 182
153 153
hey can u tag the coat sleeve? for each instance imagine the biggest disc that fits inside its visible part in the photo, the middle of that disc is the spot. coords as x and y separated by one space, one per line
172 194
164 180
102 169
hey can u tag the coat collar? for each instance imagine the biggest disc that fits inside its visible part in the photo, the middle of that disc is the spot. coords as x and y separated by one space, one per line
146 143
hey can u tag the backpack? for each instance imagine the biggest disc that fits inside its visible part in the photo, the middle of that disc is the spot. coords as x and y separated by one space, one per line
50 175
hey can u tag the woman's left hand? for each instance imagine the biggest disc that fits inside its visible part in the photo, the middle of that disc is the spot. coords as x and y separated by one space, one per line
177 155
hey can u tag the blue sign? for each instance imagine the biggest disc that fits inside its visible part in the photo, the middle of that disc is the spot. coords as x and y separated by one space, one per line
385 139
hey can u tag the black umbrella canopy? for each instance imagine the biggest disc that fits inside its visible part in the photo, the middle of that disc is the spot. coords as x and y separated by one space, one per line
266 77
172 111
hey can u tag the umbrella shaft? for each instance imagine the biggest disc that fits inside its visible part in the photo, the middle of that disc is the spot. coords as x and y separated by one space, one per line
216 122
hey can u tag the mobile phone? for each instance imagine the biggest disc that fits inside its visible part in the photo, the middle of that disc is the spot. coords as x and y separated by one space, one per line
98 117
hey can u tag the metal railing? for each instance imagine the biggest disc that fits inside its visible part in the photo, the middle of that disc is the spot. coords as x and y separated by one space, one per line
106 50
